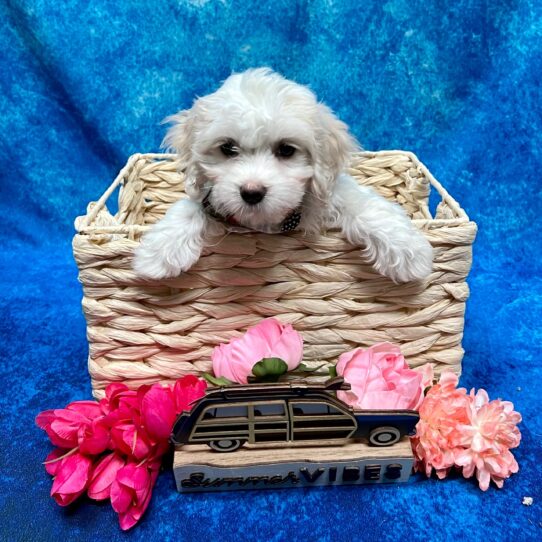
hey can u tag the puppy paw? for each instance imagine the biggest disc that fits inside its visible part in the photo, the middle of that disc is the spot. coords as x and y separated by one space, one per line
172 245
154 261
410 259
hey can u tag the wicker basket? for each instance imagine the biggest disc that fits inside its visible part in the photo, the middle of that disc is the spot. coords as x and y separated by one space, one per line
141 331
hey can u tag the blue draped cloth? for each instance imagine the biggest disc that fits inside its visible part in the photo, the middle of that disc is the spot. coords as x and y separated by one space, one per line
86 84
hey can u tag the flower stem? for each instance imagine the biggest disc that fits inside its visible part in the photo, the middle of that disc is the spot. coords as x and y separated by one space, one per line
72 451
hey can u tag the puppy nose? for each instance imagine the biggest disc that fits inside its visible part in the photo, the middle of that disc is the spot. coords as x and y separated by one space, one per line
253 193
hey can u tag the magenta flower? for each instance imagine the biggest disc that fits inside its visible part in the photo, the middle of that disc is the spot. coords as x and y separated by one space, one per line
93 438
130 440
134 425
269 339
131 491
71 477
158 412
186 390
104 475
118 397
76 425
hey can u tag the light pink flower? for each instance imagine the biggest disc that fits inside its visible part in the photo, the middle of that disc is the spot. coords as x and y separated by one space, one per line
268 339
380 379
71 476
486 440
444 409
131 491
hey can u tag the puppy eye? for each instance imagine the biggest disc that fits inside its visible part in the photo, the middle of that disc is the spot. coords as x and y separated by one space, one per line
229 149
285 151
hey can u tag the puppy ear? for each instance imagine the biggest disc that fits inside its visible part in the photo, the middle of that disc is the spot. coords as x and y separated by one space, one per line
334 145
179 139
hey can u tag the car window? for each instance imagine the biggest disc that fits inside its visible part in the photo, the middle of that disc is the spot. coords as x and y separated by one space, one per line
269 409
234 411
314 409
333 410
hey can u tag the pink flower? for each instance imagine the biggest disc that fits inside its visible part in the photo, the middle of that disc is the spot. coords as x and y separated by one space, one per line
71 476
131 491
104 475
380 379
268 339
486 440
442 412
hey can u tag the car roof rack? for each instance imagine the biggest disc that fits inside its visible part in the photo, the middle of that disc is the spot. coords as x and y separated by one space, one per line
278 389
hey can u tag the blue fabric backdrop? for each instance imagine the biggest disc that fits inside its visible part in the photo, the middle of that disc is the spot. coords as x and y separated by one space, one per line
85 84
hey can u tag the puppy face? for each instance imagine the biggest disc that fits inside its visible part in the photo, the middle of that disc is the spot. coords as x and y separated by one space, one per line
261 146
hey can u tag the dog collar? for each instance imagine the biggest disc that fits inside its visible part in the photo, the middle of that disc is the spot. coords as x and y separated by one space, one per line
290 223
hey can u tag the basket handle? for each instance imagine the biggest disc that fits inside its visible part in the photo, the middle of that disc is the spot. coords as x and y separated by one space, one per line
452 204
89 218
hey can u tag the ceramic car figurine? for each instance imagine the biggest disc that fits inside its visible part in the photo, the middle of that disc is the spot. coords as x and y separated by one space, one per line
225 418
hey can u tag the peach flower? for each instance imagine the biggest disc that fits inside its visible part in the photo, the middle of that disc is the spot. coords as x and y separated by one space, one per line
444 409
381 379
268 339
486 440
466 431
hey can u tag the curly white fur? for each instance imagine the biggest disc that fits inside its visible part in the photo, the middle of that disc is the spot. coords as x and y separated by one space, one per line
255 114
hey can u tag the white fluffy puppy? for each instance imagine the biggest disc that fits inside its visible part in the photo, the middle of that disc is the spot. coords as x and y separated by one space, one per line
262 153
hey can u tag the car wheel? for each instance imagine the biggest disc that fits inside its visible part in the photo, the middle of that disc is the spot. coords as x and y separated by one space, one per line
225 445
384 436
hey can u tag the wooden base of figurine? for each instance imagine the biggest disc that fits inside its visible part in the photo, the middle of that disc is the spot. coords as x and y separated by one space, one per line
198 468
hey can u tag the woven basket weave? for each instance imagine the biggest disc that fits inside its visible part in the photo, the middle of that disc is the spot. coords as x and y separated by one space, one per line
142 331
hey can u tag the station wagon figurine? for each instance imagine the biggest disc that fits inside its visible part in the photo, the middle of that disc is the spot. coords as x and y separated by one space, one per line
226 418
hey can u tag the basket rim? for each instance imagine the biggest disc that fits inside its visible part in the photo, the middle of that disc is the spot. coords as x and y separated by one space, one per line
84 224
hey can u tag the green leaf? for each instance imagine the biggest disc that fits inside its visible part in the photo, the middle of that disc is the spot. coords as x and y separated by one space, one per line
269 367
332 371
302 368
217 380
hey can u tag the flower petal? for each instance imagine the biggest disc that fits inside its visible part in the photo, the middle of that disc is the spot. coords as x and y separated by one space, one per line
121 497
187 390
103 476
71 478
158 411
88 409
